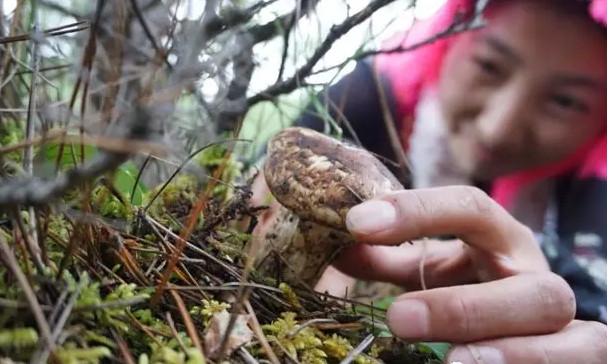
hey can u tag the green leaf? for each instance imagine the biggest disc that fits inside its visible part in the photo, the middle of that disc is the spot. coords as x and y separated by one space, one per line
384 302
438 349
71 155
124 180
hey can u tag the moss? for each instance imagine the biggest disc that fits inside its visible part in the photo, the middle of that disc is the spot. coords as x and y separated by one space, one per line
18 338
211 159
230 244
11 133
310 345
302 344
175 201
337 347
59 226
165 355
208 309
70 354
90 295
290 295
181 189
170 351
108 205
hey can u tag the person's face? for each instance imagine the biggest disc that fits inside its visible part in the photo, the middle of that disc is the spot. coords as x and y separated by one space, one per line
526 90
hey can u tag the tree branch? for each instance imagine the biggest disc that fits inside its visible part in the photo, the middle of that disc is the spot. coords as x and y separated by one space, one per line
336 32
35 191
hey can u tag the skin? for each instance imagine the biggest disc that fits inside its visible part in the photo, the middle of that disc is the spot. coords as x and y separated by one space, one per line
490 292
513 94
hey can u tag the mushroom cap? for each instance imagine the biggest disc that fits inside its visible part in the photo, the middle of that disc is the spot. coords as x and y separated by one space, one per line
320 178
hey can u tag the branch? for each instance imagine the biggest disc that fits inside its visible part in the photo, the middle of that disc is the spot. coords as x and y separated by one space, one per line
139 125
336 32
458 26
231 107
10 261
231 17
35 191
264 32
140 17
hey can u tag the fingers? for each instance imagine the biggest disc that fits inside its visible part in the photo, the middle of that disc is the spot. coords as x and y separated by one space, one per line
444 263
579 342
464 211
335 282
527 304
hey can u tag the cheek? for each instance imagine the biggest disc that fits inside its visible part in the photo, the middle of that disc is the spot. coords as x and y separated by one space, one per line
559 141
453 101
457 92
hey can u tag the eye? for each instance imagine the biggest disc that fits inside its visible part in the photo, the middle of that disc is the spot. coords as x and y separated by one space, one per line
564 102
487 66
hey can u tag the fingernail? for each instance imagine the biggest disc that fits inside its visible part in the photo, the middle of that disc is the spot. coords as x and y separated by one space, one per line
472 354
371 217
409 319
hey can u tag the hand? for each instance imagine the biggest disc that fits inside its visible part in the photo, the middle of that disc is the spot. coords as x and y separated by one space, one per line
493 293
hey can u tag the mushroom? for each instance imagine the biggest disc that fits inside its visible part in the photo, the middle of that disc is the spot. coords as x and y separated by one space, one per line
316 179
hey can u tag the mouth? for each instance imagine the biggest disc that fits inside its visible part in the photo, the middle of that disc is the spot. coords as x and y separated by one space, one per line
484 153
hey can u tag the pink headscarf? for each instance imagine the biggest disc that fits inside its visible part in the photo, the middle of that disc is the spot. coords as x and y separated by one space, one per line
410 72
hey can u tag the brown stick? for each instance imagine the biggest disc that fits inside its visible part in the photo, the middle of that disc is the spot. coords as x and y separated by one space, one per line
11 263
190 326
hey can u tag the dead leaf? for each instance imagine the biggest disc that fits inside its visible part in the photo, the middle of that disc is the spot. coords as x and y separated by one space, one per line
239 335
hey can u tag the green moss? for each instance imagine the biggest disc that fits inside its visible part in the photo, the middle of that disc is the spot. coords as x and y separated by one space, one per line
59 226
165 355
175 201
170 351
11 133
19 338
211 159
337 347
302 344
230 243
108 205
70 354
290 295
208 309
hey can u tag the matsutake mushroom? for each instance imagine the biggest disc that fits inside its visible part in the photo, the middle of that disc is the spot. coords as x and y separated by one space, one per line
316 179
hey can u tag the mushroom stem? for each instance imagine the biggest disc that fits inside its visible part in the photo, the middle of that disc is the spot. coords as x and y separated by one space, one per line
298 250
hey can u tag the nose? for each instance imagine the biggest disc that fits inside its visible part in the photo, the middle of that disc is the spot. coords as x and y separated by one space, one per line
503 122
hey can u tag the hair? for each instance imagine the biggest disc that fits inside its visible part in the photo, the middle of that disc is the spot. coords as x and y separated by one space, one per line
573 8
